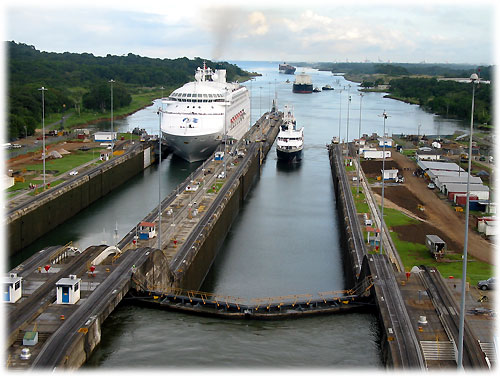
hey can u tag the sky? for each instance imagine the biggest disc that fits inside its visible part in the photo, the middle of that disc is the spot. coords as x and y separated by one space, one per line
438 31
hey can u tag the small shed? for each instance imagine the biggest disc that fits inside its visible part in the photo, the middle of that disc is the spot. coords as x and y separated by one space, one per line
390 174
435 245
147 230
372 235
68 290
482 221
13 288
385 141
219 156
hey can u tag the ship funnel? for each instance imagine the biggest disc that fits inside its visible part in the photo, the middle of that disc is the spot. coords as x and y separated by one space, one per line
221 75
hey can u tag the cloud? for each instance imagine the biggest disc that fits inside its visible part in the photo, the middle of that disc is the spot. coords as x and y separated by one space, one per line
259 23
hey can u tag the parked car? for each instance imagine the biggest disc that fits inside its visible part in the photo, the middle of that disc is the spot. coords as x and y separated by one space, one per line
431 186
25 354
73 173
488 284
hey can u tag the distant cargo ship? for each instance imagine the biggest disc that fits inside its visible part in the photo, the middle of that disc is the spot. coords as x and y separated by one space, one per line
302 84
287 68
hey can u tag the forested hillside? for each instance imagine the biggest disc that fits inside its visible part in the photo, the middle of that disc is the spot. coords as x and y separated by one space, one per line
70 77
447 98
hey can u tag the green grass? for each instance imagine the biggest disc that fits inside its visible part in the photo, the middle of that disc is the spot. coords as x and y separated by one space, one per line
393 217
350 168
412 254
359 201
65 163
409 152
217 185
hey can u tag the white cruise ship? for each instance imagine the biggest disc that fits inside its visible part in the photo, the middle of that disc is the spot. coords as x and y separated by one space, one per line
290 139
198 114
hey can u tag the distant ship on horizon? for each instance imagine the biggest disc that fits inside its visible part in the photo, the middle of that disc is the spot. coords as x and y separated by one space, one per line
286 68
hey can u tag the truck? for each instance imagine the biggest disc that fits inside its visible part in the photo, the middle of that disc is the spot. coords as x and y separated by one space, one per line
436 246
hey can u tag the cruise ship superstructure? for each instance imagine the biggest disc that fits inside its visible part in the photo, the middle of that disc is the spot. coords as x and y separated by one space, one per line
198 114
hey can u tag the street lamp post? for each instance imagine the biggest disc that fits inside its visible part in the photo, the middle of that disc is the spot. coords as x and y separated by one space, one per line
112 137
347 126
359 134
474 79
159 178
43 89
384 115
340 112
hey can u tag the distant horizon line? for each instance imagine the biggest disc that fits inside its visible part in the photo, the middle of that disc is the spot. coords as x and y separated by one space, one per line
265 60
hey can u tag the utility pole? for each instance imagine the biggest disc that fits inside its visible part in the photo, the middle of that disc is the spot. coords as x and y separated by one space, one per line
359 133
340 113
112 136
384 115
43 89
474 79
159 178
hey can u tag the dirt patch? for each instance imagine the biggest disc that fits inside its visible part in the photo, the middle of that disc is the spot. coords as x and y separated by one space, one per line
415 233
401 196
19 162
374 168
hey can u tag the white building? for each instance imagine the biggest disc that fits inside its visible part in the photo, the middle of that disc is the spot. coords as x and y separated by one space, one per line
13 288
375 154
439 166
104 136
385 140
390 174
429 155
68 290
481 191
442 180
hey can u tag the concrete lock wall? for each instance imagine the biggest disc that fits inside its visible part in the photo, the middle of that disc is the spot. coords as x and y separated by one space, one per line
33 224
193 277
198 269
342 215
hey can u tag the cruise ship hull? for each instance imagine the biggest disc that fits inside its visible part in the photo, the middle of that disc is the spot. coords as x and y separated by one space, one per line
193 148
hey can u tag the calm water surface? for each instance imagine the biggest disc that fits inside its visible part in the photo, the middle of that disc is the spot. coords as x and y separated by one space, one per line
285 241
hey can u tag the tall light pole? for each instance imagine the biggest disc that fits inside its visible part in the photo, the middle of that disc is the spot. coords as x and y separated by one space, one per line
384 115
159 178
43 89
225 133
347 126
359 134
340 112
474 78
112 137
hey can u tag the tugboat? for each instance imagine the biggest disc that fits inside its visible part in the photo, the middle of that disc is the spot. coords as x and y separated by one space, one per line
327 87
317 90
290 139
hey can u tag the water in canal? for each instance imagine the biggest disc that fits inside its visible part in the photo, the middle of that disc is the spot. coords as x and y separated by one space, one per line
285 241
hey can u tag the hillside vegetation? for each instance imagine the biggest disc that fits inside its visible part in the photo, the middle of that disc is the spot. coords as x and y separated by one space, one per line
80 81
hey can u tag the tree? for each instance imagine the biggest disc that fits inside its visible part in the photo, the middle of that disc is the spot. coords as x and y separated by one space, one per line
99 97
